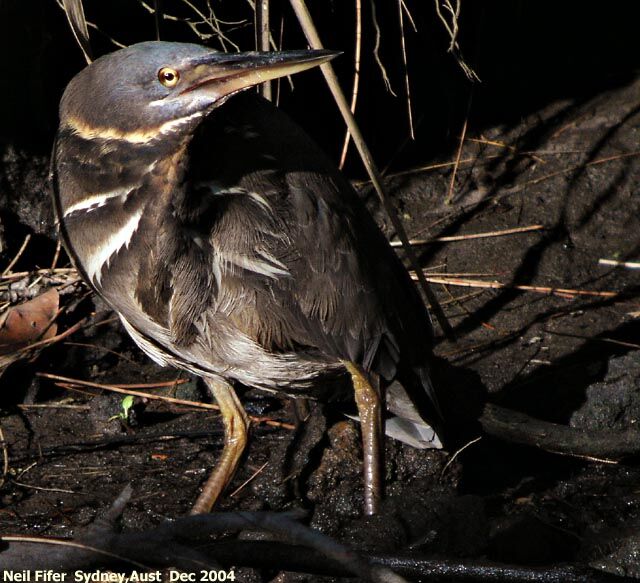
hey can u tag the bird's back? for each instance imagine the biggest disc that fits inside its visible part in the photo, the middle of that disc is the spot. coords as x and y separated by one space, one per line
345 293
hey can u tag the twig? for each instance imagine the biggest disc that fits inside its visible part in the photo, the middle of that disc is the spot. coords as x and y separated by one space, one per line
112 40
555 291
17 255
627 264
604 445
128 391
264 36
56 255
103 349
521 186
430 167
407 86
452 30
467 312
512 149
52 339
465 274
53 406
151 396
356 78
211 22
486 235
156 385
43 489
457 453
249 479
74 12
376 47
462 298
475 347
5 458
620 343
59 270
311 33
452 182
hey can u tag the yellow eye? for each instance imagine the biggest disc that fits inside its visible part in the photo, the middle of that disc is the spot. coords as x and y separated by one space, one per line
168 77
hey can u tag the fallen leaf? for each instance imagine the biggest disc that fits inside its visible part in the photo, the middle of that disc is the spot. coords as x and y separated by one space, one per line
28 322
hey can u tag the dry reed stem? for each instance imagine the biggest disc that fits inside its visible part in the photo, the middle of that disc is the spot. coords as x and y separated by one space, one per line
512 149
74 11
521 186
452 182
487 235
626 264
263 40
356 78
403 49
555 291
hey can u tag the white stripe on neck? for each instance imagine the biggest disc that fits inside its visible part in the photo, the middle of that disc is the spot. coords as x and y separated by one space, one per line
94 201
121 238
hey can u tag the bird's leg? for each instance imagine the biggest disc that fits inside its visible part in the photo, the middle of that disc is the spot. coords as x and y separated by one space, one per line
369 405
236 426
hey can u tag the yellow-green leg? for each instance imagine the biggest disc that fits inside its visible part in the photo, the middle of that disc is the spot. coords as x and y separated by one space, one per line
236 427
369 404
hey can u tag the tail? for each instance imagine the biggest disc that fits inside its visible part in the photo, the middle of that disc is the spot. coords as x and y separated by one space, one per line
407 424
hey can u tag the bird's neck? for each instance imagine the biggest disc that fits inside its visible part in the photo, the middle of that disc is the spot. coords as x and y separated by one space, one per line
95 170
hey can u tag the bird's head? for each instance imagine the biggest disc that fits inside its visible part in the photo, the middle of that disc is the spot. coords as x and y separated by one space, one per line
155 88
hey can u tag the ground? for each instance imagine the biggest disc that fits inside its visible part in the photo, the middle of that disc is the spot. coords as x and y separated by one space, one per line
568 357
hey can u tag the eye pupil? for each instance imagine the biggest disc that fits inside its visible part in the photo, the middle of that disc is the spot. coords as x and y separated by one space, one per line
168 77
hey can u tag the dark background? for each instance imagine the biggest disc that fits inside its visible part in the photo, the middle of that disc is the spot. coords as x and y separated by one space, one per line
526 54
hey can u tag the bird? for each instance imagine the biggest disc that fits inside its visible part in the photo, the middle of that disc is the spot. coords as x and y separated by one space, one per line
229 244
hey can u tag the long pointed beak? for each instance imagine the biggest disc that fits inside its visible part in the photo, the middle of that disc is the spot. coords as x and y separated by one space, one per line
222 74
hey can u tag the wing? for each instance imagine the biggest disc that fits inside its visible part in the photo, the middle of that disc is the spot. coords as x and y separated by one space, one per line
301 264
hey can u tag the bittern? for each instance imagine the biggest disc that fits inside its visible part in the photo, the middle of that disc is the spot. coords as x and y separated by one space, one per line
228 243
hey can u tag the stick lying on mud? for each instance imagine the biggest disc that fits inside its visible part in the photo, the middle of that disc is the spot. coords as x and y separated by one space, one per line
186 544
603 445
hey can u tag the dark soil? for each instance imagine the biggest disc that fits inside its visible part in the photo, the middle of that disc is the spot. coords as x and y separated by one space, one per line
571 165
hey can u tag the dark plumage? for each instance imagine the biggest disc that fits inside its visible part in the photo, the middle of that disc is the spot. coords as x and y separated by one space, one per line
226 240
